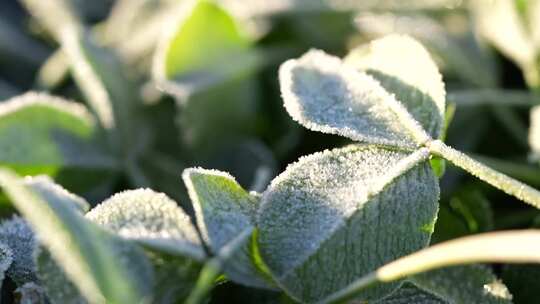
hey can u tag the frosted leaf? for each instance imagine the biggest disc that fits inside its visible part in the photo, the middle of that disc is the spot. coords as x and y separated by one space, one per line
58 287
43 133
46 187
408 293
337 215
534 133
102 266
17 235
30 293
464 285
405 68
150 218
225 215
324 94
6 258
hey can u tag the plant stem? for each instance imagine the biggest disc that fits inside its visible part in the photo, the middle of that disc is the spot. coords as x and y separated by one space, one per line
498 180
518 246
205 282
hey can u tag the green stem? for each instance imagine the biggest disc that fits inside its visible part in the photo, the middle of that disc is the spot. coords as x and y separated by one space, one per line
205 282
520 170
498 180
518 246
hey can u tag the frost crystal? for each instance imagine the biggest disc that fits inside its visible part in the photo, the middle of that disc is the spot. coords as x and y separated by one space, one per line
323 94
49 190
404 67
17 235
225 216
336 215
151 218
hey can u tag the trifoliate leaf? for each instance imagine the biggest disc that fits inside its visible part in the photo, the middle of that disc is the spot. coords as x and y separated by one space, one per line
102 266
151 218
6 258
408 293
337 215
17 235
219 49
40 133
464 284
324 94
30 293
404 68
226 218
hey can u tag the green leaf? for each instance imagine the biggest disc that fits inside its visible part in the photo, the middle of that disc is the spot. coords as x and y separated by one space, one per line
42 134
6 258
150 218
337 215
324 94
20 239
161 226
464 285
522 280
404 67
219 49
49 190
102 266
408 293
226 218
57 285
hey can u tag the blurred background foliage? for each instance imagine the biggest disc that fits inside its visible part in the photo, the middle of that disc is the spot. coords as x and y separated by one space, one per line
175 84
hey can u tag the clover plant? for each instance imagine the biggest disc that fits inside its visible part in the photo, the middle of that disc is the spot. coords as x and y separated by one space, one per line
108 200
